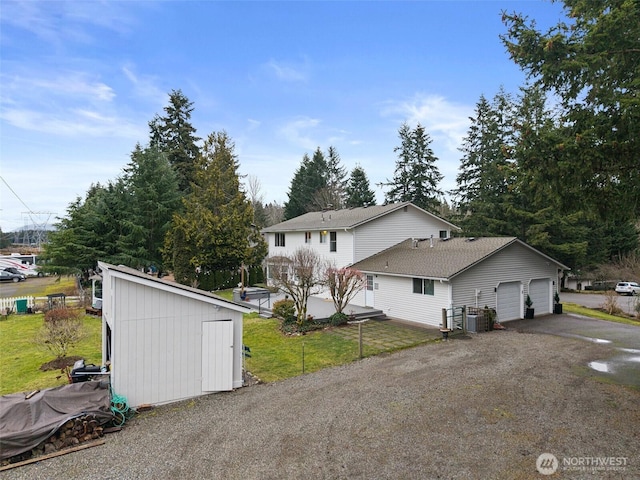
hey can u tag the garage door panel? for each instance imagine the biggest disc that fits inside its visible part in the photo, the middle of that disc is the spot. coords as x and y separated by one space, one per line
540 293
509 301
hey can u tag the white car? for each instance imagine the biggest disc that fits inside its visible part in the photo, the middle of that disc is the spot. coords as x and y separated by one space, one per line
628 288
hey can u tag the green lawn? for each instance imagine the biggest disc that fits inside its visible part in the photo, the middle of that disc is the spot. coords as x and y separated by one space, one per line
21 357
275 356
593 313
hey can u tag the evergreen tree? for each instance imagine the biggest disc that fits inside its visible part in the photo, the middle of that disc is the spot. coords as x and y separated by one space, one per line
153 187
174 135
416 176
298 201
89 232
486 179
215 231
358 191
336 179
592 64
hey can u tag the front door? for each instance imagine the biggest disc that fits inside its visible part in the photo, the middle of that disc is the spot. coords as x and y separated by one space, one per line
368 292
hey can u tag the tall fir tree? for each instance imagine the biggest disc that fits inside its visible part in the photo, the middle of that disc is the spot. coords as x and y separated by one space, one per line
487 170
154 198
336 179
416 175
358 191
592 64
214 235
174 135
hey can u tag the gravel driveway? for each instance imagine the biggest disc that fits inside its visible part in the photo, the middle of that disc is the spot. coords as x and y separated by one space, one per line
479 408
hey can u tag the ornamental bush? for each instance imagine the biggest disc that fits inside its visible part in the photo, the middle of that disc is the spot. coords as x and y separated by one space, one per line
338 318
285 310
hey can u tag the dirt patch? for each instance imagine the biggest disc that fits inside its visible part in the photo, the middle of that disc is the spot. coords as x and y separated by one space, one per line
59 363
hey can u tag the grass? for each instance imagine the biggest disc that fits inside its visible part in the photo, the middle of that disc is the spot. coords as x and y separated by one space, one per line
21 357
275 356
593 313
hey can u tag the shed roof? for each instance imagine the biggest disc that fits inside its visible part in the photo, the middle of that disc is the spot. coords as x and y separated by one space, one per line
344 218
136 276
438 258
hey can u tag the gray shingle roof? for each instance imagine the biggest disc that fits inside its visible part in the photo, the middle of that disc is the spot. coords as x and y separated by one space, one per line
442 260
345 218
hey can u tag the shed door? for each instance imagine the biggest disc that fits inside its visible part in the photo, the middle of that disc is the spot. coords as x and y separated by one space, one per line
540 293
509 301
217 356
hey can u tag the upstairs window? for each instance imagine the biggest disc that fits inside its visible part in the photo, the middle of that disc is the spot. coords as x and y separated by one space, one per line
307 237
279 239
444 234
333 241
423 286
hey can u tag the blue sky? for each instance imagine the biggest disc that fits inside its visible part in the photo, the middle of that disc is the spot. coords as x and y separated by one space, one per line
81 80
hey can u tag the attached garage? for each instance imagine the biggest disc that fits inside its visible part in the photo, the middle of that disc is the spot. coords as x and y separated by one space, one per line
540 294
478 272
509 301
165 341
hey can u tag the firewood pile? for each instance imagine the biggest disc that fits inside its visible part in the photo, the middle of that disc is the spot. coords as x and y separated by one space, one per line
74 433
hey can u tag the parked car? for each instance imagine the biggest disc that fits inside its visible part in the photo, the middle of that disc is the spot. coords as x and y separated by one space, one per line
11 277
628 288
15 271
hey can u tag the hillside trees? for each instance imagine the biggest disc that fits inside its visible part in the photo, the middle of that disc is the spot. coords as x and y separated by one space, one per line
416 176
214 234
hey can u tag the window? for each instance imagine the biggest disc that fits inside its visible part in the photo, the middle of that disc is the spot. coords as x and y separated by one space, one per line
423 286
444 234
307 237
333 241
323 236
279 239
369 282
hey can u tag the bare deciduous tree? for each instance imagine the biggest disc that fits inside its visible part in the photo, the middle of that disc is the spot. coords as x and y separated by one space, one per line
344 284
299 275
62 329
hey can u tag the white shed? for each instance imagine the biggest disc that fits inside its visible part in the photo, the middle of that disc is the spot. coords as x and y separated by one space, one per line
166 341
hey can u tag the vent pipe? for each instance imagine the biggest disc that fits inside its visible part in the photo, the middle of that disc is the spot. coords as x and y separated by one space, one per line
431 241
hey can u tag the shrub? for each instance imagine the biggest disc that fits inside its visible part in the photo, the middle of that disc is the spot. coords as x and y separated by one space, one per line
610 304
61 314
285 310
62 329
338 318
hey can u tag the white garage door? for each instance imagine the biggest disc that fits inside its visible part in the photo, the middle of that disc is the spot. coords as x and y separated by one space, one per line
540 293
509 301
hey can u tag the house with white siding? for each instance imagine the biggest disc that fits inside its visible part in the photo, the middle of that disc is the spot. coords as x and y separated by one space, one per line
343 237
415 279
166 341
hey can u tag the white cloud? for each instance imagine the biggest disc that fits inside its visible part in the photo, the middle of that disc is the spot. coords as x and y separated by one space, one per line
442 119
288 72
297 132
145 86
